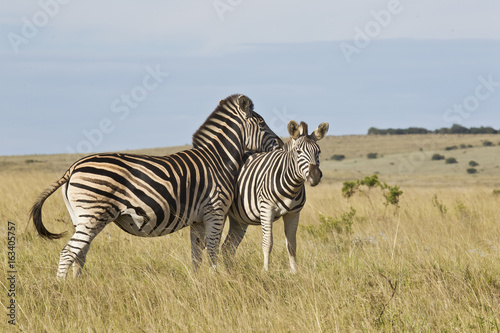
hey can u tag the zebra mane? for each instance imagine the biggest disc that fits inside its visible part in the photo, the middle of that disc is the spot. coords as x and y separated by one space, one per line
288 145
232 101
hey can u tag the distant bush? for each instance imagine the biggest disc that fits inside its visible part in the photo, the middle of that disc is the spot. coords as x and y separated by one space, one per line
455 129
371 155
437 157
487 143
451 148
337 157
496 192
451 160
471 170
397 131
462 146
473 163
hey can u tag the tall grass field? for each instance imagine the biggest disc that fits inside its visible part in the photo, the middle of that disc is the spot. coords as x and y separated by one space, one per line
431 263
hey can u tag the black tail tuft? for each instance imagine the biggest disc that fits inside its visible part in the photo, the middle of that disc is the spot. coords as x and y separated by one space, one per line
36 215
36 210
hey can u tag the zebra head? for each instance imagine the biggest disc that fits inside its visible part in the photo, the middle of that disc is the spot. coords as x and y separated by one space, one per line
258 136
307 149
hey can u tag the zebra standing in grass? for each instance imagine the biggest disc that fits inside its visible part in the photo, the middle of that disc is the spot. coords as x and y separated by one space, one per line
271 185
154 196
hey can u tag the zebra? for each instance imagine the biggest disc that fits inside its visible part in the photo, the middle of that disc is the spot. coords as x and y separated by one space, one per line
153 196
271 185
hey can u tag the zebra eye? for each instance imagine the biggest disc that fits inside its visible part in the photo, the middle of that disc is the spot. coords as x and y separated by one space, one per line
299 151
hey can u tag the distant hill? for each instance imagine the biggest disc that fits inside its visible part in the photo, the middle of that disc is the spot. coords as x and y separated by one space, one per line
455 129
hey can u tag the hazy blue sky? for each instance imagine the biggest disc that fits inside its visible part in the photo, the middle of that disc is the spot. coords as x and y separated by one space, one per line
90 76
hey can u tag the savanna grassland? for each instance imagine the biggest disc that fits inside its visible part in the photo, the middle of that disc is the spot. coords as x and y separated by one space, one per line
430 264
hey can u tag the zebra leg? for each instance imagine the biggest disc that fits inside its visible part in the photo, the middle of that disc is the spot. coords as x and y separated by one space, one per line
266 220
291 223
214 223
197 233
233 239
75 252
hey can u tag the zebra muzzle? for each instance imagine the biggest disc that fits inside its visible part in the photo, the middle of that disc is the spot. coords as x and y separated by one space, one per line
315 175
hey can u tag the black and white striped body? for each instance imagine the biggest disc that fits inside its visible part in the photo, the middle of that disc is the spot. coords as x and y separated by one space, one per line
271 185
153 196
145 196
268 181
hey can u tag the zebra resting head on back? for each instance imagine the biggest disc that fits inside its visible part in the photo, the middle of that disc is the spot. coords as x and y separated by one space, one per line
157 195
271 185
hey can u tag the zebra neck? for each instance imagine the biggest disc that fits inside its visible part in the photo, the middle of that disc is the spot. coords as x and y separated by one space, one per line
222 136
292 171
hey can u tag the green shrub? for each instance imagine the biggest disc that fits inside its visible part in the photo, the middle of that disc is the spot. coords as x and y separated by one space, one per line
349 188
451 160
437 157
370 181
390 193
372 155
487 143
471 170
451 148
473 163
328 225
496 192
337 157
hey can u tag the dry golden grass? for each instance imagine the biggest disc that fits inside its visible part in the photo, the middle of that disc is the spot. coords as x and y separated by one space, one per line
431 265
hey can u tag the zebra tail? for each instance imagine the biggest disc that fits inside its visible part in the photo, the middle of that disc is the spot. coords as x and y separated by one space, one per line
36 210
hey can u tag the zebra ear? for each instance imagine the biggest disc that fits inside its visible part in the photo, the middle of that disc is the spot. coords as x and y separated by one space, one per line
293 129
246 105
302 129
320 132
222 102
